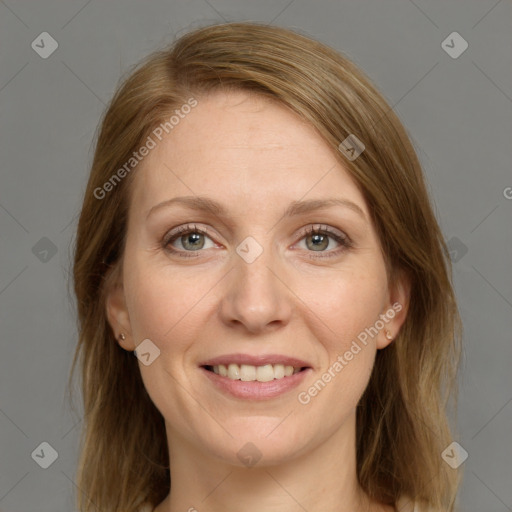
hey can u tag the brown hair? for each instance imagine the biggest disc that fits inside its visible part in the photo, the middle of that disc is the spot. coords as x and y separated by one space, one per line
402 420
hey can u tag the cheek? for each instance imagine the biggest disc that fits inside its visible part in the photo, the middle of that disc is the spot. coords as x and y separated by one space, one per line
163 304
342 314
166 307
344 304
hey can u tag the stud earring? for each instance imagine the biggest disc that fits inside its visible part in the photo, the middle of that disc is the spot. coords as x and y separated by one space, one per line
122 336
388 335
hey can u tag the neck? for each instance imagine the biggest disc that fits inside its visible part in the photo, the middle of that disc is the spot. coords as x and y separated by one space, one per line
323 478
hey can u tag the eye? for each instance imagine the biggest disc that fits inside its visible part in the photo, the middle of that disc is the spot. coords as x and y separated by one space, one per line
317 240
190 237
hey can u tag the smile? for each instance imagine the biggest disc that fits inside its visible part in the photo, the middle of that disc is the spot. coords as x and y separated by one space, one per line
255 376
249 373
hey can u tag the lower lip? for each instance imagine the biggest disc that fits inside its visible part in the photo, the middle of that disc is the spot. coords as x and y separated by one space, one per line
255 390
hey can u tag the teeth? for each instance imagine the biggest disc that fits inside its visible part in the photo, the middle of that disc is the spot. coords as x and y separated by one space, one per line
249 373
278 371
264 373
234 372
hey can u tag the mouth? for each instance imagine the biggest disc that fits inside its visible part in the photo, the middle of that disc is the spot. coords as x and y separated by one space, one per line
251 373
255 377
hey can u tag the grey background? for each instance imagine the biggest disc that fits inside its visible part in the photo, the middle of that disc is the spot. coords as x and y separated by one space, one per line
457 111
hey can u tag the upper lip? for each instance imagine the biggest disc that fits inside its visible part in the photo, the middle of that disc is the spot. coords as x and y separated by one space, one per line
256 360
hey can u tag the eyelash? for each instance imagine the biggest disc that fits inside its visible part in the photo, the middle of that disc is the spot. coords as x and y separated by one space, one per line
343 240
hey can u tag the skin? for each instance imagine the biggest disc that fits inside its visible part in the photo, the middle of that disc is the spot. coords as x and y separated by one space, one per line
253 156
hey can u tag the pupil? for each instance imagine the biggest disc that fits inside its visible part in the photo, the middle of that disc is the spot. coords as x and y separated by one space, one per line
318 238
190 239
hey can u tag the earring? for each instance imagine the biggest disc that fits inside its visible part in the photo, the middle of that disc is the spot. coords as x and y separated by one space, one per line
122 336
388 335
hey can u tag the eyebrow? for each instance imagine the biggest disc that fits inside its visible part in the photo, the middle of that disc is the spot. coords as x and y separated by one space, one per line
205 204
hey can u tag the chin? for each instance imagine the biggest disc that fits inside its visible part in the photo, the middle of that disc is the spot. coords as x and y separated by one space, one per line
259 442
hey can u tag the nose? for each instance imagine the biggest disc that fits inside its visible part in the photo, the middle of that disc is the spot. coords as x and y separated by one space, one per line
255 295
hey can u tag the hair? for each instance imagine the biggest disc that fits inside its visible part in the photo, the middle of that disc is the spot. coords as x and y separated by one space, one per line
403 418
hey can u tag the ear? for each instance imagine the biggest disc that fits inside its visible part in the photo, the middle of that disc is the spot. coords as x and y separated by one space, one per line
117 312
395 312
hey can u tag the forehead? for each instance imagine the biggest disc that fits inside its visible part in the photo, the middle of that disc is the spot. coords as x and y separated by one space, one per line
241 148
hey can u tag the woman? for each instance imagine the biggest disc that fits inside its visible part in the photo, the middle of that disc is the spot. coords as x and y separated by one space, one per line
266 313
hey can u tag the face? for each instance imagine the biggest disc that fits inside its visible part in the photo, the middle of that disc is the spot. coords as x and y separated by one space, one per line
264 277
